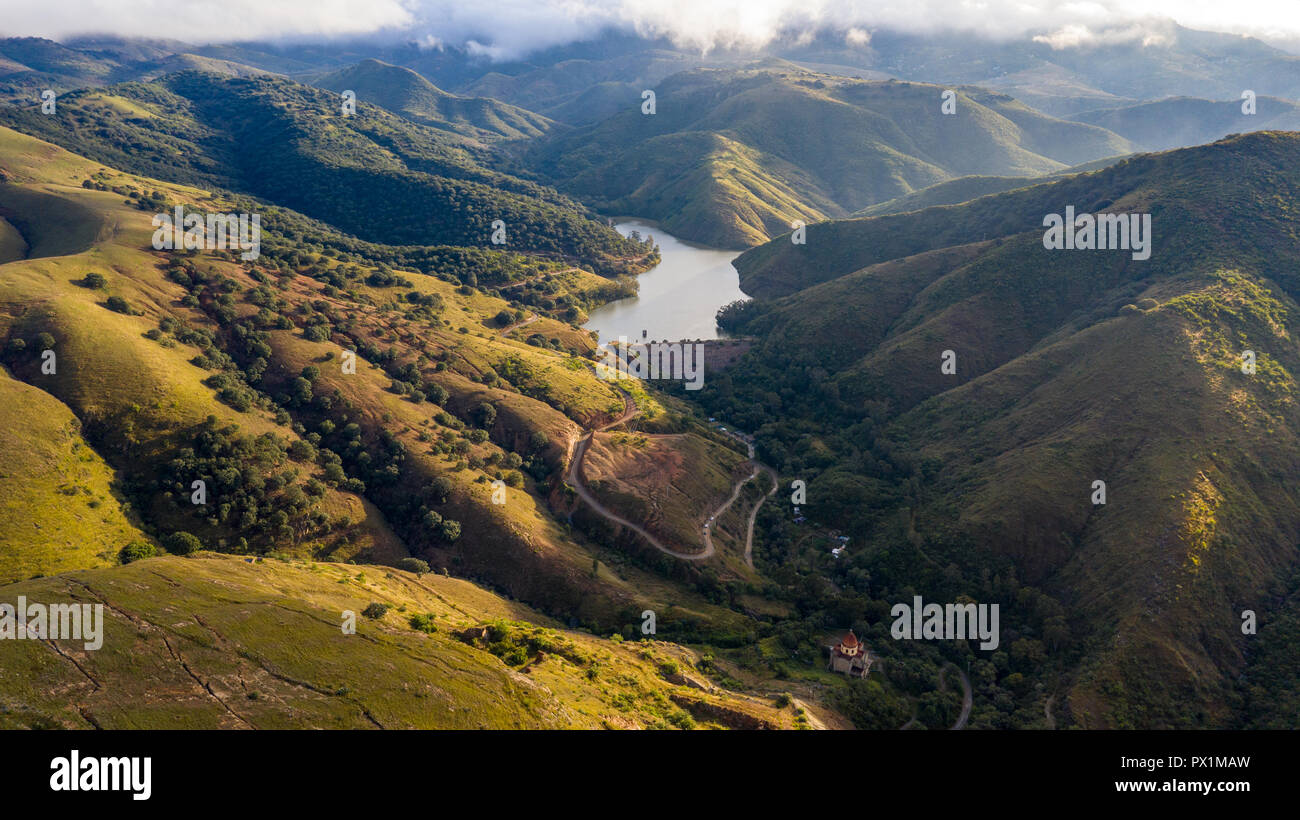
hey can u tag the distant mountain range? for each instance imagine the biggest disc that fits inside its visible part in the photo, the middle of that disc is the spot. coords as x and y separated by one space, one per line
730 157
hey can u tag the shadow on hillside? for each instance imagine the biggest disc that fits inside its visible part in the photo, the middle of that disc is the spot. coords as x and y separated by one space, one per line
50 225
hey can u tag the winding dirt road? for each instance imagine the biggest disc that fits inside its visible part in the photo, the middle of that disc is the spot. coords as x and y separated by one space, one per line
505 331
753 514
574 478
630 410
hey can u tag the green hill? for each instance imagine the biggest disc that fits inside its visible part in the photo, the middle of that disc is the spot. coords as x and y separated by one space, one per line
405 183
964 189
409 95
728 159
214 642
1072 367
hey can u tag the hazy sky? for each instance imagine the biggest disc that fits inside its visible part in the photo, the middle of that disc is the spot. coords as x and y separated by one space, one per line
512 27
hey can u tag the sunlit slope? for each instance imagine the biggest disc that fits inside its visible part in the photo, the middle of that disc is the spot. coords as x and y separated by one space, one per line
759 148
59 508
410 95
140 402
216 642
162 391
407 182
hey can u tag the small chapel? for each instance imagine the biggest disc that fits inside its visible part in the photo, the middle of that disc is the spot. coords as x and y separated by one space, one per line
850 656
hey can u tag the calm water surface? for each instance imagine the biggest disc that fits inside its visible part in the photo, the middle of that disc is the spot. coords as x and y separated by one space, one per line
678 298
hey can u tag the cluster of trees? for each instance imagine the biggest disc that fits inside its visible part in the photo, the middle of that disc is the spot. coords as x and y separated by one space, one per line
252 492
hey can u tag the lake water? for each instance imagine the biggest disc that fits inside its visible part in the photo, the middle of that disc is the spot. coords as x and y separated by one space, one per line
678 298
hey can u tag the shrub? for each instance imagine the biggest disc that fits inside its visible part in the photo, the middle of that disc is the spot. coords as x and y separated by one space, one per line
449 530
137 550
375 610
182 543
423 623
118 305
415 565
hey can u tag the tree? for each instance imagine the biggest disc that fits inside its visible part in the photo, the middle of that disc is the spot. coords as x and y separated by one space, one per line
440 488
137 550
415 565
375 610
484 415
435 393
95 281
182 543
449 530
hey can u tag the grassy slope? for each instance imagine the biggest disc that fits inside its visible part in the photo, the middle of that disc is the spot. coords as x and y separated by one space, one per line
410 183
670 483
1062 380
216 642
139 397
407 94
142 394
727 158
58 506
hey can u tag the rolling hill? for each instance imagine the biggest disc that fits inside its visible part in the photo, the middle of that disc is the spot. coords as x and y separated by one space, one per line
1182 121
1072 367
174 368
727 159
375 175
407 94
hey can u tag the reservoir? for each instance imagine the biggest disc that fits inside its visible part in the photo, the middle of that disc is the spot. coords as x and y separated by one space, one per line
677 299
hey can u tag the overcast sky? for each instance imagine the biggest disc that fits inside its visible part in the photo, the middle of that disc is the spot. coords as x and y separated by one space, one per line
509 28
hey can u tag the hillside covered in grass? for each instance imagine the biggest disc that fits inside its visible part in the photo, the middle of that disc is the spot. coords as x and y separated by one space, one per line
1072 367
728 159
373 174
196 404
216 642
410 95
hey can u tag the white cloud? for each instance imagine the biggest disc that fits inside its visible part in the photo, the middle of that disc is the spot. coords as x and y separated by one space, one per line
857 37
505 28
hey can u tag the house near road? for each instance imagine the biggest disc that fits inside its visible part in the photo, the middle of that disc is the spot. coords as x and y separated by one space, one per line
850 656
